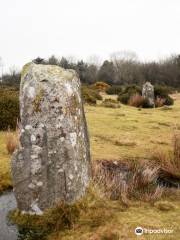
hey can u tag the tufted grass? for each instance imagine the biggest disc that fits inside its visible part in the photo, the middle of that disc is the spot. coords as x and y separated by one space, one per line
117 223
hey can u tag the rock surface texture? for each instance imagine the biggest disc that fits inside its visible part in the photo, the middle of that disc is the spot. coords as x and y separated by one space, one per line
148 93
52 162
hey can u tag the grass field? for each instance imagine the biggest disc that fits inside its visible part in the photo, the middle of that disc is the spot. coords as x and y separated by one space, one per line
115 223
123 133
129 132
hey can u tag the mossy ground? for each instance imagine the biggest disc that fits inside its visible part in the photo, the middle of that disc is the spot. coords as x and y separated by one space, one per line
122 133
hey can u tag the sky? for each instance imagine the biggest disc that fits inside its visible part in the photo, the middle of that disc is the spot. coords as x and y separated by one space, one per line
82 28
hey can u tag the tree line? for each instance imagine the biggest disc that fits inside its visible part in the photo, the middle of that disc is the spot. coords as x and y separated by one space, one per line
122 68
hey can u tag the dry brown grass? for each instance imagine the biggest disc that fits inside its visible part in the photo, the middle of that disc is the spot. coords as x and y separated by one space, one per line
127 181
12 139
170 162
136 100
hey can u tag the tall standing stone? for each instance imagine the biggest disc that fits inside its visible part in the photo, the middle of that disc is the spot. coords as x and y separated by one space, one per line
52 162
148 93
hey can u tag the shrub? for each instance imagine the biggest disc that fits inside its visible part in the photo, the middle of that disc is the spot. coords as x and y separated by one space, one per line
9 106
136 100
132 89
132 95
114 90
11 141
159 102
124 98
110 103
128 92
169 101
100 86
161 92
90 95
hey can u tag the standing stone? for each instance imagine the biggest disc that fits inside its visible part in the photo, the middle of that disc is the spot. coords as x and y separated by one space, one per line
148 93
52 162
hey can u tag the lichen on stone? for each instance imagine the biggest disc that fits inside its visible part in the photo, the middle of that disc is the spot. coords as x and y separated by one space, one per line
53 152
37 101
25 69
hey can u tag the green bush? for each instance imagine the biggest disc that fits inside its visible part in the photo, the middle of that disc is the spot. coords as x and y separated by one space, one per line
90 95
100 86
115 89
124 98
169 101
111 103
9 108
133 90
162 92
128 92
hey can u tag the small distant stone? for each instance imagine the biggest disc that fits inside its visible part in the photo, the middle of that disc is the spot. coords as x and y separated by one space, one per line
148 93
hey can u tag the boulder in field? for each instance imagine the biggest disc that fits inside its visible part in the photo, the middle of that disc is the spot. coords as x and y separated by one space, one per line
148 94
52 162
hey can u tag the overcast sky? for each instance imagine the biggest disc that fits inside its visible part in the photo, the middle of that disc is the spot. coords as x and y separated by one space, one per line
31 28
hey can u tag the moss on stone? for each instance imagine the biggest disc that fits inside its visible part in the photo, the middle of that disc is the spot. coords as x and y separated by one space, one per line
74 103
37 101
25 69
60 217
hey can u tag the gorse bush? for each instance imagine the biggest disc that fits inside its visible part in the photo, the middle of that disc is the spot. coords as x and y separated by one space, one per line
162 92
169 101
9 108
100 86
128 92
90 95
132 95
114 90
111 103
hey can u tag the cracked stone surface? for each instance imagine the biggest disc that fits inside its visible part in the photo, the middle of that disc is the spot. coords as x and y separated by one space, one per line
52 162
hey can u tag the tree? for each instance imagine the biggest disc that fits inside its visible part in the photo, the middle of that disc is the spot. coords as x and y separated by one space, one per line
127 68
53 60
12 78
107 72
